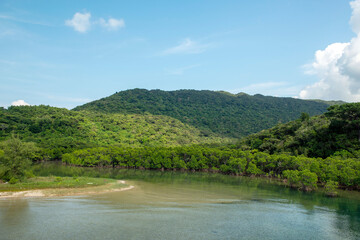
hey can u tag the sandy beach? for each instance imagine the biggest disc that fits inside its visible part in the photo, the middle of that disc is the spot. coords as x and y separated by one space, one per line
56 192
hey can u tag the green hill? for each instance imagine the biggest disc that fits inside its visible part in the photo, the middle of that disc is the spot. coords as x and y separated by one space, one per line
321 150
337 132
330 103
60 130
212 112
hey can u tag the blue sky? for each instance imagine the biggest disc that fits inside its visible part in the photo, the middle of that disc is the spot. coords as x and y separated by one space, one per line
66 53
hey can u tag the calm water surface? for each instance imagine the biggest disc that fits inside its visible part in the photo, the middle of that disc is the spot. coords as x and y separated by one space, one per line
171 205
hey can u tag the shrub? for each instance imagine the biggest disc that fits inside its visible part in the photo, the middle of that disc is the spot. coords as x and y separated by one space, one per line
58 179
330 188
308 180
292 176
13 180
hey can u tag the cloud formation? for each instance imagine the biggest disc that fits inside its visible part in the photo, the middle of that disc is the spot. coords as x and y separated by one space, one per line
187 46
112 24
20 103
81 22
338 67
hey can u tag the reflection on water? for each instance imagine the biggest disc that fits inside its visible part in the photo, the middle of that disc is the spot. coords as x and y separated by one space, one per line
173 205
13 213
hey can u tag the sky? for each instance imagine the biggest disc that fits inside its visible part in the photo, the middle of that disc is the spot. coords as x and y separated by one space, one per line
66 53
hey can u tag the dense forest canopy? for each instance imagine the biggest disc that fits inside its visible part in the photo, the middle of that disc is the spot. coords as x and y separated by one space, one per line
337 132
58 130
301 171
139 131
230 115
324 150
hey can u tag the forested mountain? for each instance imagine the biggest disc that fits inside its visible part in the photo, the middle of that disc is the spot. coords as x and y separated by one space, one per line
59 130
323 150
219 112
337 132
330 103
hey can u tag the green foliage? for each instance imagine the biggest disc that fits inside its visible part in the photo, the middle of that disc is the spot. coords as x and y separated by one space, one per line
3 171
305 179
212 112
58 179
345 120
336 133
304 117
58 131
252 169
13 180
292 176
308 180
121 132
16 158
330 188
237 165
300 171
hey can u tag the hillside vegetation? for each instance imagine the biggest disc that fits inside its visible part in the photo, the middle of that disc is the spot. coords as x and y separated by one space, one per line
59 130
301 172
309 151
337 132
212 112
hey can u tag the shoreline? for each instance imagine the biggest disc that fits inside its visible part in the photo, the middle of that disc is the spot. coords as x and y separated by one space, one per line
62 192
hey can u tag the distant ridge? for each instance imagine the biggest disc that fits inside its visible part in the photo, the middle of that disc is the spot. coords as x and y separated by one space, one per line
220 112
330 103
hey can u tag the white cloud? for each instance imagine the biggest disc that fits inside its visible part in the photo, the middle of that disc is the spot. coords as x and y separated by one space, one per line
20 103
355 17
80 22
337 67
112 24
187 46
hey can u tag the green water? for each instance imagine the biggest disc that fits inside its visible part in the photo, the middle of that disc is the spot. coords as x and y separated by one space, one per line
173 205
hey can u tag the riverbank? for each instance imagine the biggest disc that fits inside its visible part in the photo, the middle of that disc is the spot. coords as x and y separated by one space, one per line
163 204
58 186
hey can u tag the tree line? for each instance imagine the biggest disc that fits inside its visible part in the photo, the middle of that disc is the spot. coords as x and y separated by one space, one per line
300 171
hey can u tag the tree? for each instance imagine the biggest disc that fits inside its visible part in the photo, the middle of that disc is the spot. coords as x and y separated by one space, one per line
304 117
345 118
16 159
330 188
237 165
305 178
292 176
308 180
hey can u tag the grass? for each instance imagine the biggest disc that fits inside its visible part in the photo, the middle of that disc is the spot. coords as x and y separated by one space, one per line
54 182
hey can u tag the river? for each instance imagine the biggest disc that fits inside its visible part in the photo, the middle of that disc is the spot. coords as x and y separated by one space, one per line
174 205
